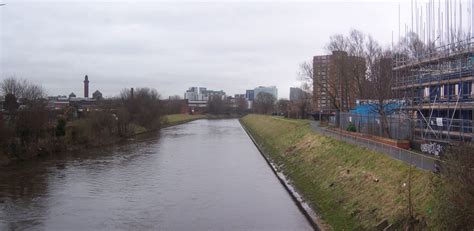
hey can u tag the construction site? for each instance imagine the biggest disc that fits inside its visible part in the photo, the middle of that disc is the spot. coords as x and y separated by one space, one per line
437 90
436 80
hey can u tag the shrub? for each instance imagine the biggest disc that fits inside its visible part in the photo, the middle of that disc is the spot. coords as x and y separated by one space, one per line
351 127
61 127
143 107
455 191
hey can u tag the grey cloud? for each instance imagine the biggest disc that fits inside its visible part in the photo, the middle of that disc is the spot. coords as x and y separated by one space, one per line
170 46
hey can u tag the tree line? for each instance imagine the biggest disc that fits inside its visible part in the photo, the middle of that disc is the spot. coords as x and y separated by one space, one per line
29 127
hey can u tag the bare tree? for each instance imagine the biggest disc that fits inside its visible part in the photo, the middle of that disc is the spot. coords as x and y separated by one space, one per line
173 105
126 94
304 104
330 86
337 42
11 103
357 64
216 105
305 76
175 97
144 106
413 47
33 92
264 103
22 89
380 82
356 43
13 86
242 105
283 107
411 220
352 69
339 83
347 70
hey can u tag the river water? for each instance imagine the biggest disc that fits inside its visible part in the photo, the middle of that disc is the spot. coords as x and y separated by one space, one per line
203 175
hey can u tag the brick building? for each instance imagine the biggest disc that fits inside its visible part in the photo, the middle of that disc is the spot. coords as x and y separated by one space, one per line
337 81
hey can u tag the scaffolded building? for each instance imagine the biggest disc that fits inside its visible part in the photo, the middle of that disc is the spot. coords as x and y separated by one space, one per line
438 90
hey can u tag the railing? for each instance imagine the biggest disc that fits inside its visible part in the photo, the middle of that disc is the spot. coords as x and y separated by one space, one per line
444 129
401 127
434 77
446 99
398 126
419 160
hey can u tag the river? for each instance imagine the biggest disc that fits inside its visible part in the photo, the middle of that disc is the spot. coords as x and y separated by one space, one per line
202 175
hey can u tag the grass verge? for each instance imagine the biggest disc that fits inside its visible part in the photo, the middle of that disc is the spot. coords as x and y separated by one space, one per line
175 119
350 187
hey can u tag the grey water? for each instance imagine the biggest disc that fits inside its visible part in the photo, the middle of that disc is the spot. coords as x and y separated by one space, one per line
202 175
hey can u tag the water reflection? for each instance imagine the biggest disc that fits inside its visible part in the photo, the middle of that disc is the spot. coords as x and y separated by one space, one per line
204 175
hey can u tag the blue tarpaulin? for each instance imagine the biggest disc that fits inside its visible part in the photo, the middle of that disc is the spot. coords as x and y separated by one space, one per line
371 108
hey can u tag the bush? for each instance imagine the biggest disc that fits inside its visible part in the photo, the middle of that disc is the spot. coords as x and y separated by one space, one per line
61 127
96 128
143 107
455 190
31 124
78 132
351 127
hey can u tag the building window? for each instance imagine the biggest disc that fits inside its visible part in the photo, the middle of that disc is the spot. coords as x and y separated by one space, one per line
450 90
466 89
472 85
426 92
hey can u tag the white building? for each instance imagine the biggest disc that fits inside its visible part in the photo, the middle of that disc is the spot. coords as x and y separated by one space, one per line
194 94
271 90
202 94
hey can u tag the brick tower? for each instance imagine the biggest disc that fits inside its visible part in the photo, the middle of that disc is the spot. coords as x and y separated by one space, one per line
86 87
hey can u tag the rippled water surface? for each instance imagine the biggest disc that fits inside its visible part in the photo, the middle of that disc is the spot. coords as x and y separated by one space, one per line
203 175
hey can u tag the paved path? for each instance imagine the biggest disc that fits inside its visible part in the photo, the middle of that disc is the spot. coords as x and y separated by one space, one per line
419 160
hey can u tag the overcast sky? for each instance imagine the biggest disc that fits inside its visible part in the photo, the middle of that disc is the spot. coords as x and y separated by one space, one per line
170 46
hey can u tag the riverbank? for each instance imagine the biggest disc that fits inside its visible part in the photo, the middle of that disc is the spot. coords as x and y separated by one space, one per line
349 186
176 119
79 135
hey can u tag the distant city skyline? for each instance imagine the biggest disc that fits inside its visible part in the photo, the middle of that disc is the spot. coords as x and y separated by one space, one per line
170 46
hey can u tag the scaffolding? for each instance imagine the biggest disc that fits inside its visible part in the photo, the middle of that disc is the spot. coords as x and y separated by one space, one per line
438 89
436 78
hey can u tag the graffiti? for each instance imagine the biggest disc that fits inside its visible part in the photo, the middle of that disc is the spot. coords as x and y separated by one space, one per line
432 148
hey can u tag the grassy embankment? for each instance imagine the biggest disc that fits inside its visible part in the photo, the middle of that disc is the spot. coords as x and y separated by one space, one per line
175 119
350 187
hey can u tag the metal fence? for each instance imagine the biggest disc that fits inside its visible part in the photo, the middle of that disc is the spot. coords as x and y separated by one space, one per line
399 126
419 160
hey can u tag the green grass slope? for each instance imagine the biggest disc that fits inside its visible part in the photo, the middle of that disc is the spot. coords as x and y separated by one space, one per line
350 187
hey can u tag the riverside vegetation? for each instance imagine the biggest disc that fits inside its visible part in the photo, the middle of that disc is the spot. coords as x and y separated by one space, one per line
350 187
81 133
29 127
33 129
